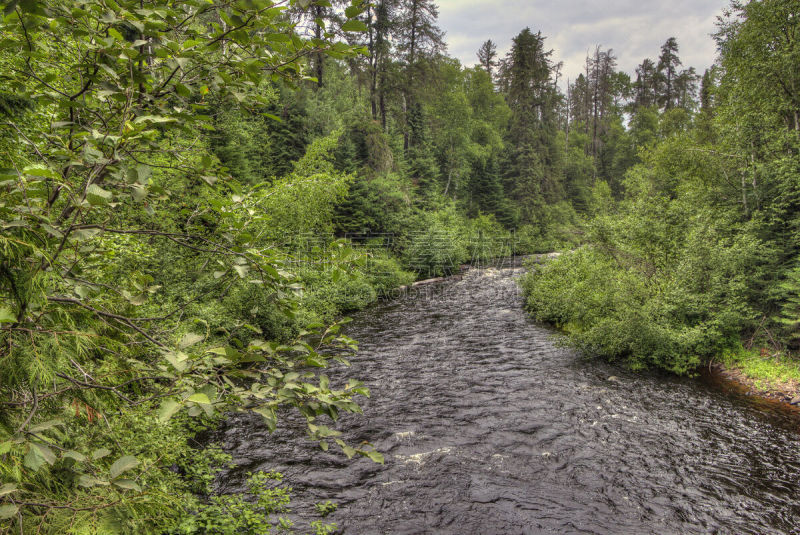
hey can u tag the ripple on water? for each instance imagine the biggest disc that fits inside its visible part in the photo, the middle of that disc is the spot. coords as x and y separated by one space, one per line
488 427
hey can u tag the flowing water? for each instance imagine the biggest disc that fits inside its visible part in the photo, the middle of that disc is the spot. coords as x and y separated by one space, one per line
488 427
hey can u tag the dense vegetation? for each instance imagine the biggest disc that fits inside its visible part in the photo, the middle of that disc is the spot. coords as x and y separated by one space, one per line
698 248
193 194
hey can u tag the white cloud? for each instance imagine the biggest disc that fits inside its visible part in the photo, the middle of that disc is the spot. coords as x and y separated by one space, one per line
633 29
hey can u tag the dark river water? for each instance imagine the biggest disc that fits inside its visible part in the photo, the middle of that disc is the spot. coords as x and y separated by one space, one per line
489 427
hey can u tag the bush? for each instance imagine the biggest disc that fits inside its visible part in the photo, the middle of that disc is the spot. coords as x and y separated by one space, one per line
667 305
438 244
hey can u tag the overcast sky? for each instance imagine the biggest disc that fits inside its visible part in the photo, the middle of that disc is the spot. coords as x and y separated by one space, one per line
634 29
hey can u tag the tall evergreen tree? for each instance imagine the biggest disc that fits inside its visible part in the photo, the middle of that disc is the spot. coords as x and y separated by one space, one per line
379 20
534 175
486 56
705 119
686 88
668 64
418 38
645 86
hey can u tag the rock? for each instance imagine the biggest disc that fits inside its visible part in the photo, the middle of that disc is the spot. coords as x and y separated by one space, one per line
795 400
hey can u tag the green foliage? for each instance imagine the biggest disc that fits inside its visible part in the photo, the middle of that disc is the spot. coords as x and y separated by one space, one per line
324 509
186 215
381 205
437 243
623 306
665 282
789 316
238 514
123 235
767 370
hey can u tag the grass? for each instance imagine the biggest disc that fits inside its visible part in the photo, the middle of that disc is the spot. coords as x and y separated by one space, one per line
776 371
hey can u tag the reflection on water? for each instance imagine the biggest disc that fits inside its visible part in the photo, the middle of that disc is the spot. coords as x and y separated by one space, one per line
488 427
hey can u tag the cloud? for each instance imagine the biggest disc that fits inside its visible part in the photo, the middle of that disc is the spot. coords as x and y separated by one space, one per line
633 29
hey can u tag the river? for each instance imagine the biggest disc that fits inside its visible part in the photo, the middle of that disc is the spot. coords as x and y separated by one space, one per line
489 427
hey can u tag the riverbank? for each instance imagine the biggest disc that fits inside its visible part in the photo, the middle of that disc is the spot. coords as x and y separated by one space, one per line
770 375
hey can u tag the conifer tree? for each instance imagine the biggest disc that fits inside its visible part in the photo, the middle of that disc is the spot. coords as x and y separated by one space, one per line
380 21
645 85
668 64
705 127
418 38
534 171
686 88
486 56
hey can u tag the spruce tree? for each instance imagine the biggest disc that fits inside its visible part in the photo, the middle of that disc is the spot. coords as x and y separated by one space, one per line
645 86
418 39
705 119
486 56
668 64
534 174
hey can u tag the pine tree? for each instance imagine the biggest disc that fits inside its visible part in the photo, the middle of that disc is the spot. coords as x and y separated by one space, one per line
789 317
418 38
380 19
534 175
486 56
486 189
668 64
319 15
645 85
686 89
601 95
705 119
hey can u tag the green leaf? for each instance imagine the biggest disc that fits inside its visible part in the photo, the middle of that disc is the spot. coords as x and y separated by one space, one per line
33 459
354 26
182 90
98 196
45 452
138 193
241 270
100 453
143 173
177 360
52 231
348 451
7 511
44 426
7 315
123 464
8 488
85 480
85 234
38 170
167 410
127 484
375 456
199 397
82 291
138 300
269 417
5 447
72 454
190 339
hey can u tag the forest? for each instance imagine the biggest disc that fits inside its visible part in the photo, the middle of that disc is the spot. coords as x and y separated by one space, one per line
194 195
